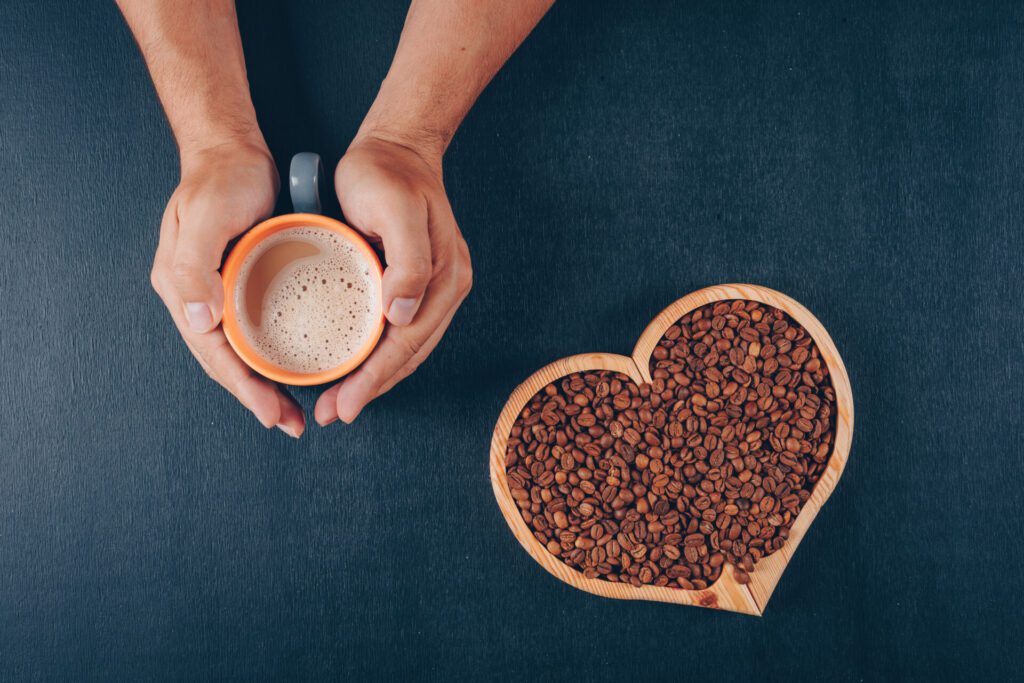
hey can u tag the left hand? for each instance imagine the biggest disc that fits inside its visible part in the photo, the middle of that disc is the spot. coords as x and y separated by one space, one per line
224 189
393 193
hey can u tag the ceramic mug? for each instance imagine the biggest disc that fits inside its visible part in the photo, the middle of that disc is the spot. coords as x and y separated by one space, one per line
304 176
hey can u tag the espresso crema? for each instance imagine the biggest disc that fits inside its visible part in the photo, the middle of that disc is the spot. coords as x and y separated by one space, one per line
307 300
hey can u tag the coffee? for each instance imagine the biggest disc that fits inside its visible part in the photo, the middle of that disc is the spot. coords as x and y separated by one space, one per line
307 300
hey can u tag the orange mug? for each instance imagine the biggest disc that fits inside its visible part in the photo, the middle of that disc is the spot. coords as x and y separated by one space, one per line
304 186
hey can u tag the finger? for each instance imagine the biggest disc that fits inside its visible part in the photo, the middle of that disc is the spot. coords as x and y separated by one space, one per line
220 362
260 396
199 249
413 363
464 282
326 410
292 421
397 347
463 275
402 226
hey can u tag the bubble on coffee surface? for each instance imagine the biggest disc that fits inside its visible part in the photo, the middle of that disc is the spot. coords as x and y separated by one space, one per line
317 309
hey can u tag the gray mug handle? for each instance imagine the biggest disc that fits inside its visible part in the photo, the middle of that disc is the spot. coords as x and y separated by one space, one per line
304 182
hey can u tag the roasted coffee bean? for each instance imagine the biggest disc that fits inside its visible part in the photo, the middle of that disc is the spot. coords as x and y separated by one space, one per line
664 484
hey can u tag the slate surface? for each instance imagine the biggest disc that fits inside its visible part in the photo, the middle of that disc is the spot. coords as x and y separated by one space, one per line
864 159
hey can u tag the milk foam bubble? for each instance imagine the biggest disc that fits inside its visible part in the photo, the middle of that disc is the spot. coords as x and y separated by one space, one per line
307 300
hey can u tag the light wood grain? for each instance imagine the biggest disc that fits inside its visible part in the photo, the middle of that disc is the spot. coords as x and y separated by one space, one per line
725 593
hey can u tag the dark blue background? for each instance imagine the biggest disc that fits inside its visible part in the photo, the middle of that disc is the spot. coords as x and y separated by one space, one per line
864 158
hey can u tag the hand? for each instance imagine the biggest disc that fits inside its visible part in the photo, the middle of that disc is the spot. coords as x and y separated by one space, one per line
393 193
224 191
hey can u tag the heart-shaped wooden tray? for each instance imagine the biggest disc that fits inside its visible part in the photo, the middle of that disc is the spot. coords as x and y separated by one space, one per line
726 593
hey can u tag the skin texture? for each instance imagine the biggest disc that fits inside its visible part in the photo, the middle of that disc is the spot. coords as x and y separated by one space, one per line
389 182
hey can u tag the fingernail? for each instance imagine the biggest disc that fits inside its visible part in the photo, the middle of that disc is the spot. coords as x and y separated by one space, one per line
350 417
290 431
402 311
353 397
326 415
348 410
200 319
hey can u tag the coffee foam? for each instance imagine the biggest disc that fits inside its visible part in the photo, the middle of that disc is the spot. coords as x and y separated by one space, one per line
318 311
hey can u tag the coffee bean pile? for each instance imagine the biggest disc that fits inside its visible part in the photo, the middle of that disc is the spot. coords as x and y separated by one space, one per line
710 463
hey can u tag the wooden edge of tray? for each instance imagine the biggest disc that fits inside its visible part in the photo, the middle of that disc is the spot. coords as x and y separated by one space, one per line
725 593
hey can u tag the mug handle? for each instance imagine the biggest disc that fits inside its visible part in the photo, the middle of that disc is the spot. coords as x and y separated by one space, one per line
304 182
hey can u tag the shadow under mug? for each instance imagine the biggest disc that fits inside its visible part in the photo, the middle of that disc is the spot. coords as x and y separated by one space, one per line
304 177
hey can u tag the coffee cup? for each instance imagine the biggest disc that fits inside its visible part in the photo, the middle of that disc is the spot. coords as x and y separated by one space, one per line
302 291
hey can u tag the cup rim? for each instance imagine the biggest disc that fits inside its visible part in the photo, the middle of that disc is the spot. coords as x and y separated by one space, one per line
232 268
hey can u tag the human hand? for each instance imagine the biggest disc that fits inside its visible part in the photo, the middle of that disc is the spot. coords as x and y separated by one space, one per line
224 191
393 193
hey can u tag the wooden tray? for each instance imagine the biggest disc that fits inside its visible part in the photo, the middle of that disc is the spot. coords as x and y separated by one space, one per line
726 593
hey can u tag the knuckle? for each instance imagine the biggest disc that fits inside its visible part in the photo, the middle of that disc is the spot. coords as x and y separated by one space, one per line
204 363
195 199
373 377
226 382
410 346
185 272
209 373
155 280
418 269
465 279
465 271
236 385
203 356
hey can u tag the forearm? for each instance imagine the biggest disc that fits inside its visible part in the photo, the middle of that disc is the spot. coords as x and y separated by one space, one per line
448 53
194 54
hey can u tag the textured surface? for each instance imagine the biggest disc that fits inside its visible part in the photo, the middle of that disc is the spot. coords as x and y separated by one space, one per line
864 160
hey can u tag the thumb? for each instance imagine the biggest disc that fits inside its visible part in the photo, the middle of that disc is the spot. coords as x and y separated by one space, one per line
409 266
197 258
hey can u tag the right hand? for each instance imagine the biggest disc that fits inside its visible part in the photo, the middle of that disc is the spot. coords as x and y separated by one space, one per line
224 191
